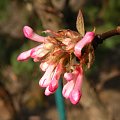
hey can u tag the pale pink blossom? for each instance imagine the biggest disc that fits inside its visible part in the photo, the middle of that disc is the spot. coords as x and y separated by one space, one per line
46 78
24 55
76 93
87 39
57 54
44 66
72 89
56 76
27 54
68 76
67 88
47 91
28 32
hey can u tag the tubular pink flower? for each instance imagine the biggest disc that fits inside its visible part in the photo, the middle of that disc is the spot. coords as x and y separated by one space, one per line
76 92
55 78
75 96
89 36
68 76
56 57
42 50
39 53
24 55
72 89
28 32
46 78
47 92
67 88
36 50
44 66
27 54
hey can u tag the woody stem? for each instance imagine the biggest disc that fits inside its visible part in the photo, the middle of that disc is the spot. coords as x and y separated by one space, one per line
99 38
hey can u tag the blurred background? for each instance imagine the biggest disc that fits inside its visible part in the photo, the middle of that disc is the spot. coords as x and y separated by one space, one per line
21 98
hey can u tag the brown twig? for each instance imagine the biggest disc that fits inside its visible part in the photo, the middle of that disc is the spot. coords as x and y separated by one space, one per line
99 38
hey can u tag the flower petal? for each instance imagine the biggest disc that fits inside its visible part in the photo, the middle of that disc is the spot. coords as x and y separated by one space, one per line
76 92
75 96
27 54
47 92
89 36
28 32
68 76
67 89
24 56
44 66
55 78
46 78
40 53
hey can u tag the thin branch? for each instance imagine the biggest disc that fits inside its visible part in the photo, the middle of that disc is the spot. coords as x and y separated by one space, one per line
99 38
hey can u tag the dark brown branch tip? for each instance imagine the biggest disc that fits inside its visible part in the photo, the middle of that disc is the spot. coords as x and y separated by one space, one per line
99 38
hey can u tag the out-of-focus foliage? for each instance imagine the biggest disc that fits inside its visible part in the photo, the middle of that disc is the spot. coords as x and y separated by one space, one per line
104 15
3 8
22 67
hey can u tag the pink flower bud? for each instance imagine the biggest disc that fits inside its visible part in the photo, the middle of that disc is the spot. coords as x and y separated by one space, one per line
47 92
24 56
75 96
39 53
53 86
55 55
28 32
69 76
46 78
55 78
67 88
44 66
76 92
87 39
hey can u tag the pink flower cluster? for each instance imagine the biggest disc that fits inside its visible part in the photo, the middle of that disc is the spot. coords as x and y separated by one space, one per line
57 56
